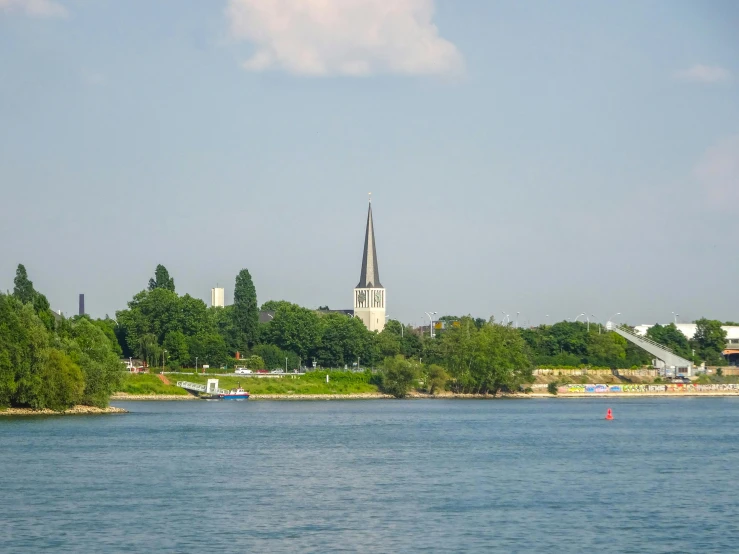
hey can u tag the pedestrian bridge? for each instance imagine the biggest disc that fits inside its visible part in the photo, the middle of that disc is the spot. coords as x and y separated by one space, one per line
669 361
210 388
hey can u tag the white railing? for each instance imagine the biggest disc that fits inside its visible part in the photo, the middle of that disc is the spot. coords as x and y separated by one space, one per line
625 329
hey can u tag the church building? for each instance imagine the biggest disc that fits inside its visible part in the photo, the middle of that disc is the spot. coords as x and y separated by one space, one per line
369 295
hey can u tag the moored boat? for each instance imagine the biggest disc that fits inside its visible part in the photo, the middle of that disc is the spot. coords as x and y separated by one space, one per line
234 394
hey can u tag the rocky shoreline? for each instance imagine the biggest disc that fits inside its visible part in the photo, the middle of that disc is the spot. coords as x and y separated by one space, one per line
75 410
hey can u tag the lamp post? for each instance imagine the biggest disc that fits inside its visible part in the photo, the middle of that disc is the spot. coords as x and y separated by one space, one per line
196 364
163 353
517 314
547 316
285 364
674 317
582 314
431 324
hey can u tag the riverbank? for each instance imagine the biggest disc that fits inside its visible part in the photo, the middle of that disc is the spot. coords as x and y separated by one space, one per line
632 394
152 396
75 410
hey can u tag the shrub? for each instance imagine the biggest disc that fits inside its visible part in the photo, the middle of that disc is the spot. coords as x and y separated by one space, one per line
552 387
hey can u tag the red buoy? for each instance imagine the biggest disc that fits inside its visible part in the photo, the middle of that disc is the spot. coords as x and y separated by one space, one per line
609 414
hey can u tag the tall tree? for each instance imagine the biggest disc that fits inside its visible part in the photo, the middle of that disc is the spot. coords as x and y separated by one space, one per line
161 279
23 289
245 310
710 340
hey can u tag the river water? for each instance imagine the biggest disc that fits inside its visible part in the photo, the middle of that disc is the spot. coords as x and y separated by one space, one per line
546 475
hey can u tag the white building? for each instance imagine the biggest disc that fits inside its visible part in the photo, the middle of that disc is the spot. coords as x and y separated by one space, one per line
217 297
369 294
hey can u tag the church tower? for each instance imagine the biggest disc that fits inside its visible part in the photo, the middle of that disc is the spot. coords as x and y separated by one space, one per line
369 295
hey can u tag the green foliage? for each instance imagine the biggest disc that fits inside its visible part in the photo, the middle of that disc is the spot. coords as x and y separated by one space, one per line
161 279
295 329
552 387
671 337
254 362
60 383
23 287
343 339
177 347
89 348
570 344
43 368
436 378
245 311
710 341
398 375
487 359
23 290
274 356
274 305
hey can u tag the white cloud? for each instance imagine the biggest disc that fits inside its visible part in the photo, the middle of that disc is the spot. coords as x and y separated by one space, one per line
704 74
343 37
718 172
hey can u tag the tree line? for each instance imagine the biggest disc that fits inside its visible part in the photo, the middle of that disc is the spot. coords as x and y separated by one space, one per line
50 363
175 331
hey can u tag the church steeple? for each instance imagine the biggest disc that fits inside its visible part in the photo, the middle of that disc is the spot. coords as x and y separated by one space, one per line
369 278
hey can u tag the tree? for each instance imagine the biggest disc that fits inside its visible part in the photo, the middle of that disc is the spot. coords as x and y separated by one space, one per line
488 359
274 305
436 378
608 349
62 383
274 356
90 349
710 341
23 289
254 362
295 329
398 375
342 340
161 279
178 351
245 311
671 337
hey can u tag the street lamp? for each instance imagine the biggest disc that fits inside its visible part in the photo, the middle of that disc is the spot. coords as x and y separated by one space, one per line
582 314
431 324
285 364
674 317
196 364
163 353
517 314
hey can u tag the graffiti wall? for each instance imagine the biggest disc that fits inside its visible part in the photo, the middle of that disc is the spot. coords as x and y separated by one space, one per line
671 387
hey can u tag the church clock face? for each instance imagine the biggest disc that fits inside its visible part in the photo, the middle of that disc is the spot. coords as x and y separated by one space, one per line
378 297
362 296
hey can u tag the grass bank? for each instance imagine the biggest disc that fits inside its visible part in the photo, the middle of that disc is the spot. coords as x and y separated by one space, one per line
144 383
312 383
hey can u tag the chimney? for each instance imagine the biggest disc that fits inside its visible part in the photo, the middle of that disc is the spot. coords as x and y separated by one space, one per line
82 304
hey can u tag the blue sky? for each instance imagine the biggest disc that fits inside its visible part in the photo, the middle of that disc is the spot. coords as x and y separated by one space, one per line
547 158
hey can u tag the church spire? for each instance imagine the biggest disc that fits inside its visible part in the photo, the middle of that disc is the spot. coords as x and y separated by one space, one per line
370 276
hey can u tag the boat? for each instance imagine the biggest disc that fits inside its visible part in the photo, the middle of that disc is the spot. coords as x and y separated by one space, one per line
234 394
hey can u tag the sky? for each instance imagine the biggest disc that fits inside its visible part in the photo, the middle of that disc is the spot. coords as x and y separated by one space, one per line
535 158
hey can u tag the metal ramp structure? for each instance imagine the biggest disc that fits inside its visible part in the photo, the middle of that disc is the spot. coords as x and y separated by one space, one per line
210 388
670 362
